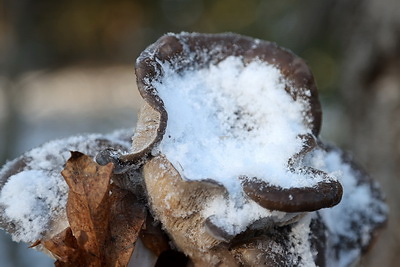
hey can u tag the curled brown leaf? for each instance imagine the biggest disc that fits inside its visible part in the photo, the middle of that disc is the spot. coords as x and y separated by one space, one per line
104 219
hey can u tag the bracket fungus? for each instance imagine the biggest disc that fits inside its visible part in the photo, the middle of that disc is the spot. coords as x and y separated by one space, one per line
227 137
227 150
245 122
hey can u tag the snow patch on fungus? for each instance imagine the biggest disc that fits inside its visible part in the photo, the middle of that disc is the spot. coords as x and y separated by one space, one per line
232 119
33 199
29 198
235 214
300 234
351 223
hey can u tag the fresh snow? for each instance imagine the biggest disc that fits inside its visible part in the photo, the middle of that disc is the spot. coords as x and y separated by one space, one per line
356 216
30 198
231 120
235 214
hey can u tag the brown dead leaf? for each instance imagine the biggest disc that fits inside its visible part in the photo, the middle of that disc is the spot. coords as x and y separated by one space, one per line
88 201
128 216
65 248
104 220
36 243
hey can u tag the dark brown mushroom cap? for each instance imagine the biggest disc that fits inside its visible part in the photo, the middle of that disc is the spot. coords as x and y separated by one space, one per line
190 51
324 194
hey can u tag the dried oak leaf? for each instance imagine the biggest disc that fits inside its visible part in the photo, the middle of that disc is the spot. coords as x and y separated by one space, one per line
104 220
127 216
65 247
88 205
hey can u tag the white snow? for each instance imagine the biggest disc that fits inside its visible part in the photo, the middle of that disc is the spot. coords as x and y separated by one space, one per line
235 214
36 197
356 216
231 120
30 197
300 234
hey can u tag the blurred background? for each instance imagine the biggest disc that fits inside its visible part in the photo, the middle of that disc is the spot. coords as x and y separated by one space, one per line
67 67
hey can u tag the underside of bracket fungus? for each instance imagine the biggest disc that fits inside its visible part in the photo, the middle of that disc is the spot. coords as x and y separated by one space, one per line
227 146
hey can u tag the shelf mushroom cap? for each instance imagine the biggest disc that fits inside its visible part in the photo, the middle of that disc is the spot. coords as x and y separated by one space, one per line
179 53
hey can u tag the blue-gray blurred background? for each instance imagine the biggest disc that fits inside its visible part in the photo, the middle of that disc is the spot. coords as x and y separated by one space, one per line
67 67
